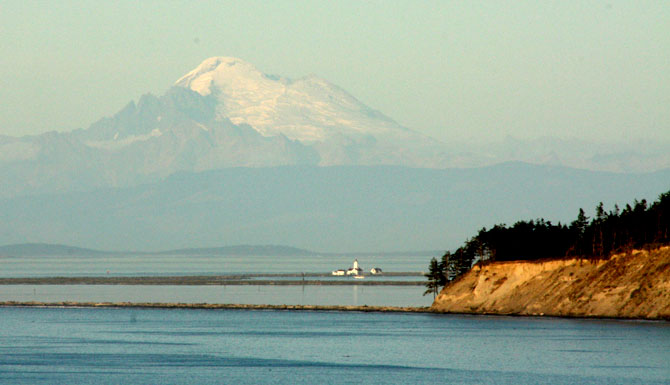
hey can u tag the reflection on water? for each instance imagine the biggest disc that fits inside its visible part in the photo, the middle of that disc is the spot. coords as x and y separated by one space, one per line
167 265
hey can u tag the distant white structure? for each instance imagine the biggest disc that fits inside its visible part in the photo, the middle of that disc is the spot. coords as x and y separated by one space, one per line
339 272
376 270
355 270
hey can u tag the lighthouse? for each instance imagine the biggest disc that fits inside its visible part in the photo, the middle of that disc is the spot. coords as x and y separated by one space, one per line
355 270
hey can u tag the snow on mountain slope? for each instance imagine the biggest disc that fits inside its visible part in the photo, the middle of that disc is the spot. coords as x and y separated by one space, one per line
226 113
309 109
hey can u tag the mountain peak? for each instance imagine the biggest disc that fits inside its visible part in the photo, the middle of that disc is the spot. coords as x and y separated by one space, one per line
219 72
309 109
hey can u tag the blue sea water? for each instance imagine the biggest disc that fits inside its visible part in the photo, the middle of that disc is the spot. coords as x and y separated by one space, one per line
178 346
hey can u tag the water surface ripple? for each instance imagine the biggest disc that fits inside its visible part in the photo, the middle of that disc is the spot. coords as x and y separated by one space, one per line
174 346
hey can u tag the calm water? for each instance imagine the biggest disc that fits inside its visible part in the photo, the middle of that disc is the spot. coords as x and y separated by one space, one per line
143 265
151 346
270 295
163 265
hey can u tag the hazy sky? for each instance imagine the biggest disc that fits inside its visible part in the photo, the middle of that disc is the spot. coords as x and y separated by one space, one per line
452 70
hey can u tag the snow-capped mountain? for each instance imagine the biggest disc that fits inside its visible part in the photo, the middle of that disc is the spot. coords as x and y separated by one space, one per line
309 109
227 113
312 114
224 113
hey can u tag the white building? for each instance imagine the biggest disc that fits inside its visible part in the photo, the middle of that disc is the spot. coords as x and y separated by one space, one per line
355 270
375 270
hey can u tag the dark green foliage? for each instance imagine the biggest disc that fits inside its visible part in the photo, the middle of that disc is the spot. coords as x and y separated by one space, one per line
526 240
435 278
449 266
460 261
635 226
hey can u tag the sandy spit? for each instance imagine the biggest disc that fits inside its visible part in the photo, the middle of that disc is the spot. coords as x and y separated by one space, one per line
156 305
197 281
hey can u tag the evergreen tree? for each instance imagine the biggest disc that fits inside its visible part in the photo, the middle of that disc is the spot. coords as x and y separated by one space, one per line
640 225
444 268
464 257
579 228
434 277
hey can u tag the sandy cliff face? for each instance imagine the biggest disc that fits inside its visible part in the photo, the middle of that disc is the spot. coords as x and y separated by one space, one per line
634 285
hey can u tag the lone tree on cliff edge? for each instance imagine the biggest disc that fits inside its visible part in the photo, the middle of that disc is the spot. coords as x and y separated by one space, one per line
435 278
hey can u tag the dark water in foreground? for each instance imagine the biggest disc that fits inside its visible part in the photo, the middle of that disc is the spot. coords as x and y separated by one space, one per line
160 346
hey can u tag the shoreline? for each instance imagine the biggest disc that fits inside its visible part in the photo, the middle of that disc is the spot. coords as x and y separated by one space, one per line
333 308
625 286
215 306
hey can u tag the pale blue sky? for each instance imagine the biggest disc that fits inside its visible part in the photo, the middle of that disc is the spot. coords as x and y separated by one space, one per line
453 70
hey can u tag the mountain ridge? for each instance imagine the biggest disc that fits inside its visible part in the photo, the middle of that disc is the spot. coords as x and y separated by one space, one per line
48 249
304 109
318 208
243 119
227 113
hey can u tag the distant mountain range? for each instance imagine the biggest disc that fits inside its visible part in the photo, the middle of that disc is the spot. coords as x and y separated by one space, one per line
45 249
53 250
230 155
328 209
226 113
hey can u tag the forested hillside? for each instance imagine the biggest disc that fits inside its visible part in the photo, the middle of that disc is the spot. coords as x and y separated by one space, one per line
640 225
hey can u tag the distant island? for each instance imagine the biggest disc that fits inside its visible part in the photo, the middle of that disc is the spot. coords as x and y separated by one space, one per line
56 250
616 265
46 249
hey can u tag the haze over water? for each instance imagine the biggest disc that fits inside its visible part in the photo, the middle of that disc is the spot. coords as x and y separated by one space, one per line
157 265
175 265
434 118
